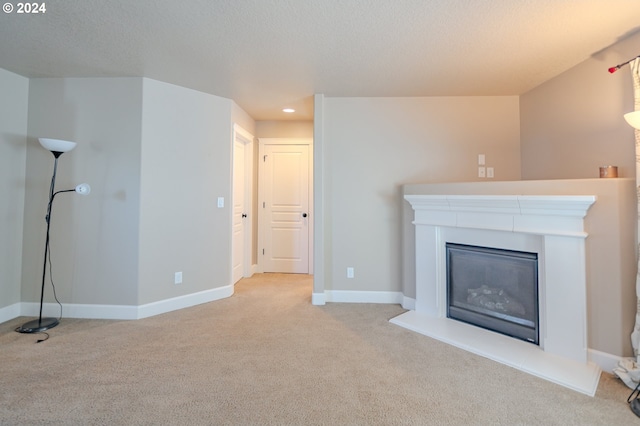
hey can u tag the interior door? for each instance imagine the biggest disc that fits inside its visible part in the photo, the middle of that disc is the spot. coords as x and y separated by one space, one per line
241 199
285 204
238 211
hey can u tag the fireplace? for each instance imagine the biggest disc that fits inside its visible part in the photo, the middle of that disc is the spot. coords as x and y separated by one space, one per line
553 228
494 288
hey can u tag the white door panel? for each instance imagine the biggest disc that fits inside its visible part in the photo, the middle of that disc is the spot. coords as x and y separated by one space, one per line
286 207
241 204
237 255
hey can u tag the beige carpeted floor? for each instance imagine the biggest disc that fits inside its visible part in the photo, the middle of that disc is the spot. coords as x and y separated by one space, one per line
266 356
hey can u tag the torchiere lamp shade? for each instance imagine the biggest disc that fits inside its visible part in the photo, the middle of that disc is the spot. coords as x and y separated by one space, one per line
633 118
56 145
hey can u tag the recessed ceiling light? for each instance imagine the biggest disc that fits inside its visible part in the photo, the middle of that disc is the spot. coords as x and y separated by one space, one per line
289 110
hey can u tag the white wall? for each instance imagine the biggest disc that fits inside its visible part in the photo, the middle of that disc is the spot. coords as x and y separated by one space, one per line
186 166
572 124
372 146
94 239
13 154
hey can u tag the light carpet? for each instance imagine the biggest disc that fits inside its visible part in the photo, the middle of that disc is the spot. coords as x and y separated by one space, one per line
266 356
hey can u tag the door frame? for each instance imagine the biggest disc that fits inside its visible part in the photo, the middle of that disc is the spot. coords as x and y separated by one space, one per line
262 225
242 135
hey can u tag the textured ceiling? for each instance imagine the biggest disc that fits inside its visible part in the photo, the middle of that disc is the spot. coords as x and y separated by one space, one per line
268 54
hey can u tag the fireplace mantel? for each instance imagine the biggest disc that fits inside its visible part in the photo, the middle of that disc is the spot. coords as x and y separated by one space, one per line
536 214
550 225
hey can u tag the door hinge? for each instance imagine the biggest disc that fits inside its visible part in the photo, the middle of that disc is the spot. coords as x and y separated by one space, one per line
263 205
263 252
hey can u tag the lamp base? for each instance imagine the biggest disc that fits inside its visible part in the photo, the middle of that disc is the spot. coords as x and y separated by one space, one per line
38 325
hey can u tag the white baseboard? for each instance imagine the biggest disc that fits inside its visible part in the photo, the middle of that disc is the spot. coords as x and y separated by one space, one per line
76 310
605 361
348 296
409 303
9 312
318 299
119 312
181 302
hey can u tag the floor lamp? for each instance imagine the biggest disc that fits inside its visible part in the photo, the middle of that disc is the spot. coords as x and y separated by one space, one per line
57 148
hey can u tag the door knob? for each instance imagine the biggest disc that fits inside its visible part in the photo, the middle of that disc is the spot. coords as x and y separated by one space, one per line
304 215
244 215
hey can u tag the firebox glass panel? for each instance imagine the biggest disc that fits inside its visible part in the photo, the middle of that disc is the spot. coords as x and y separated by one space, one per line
494 288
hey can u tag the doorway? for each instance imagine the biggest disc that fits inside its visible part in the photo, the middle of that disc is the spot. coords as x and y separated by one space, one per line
285 204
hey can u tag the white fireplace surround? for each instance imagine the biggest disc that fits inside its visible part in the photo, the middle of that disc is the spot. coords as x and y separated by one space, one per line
553 227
